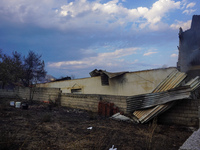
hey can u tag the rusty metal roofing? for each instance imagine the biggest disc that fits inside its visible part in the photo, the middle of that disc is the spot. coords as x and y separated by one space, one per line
96 72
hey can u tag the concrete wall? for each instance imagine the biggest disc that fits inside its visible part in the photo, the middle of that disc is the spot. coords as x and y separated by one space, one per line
8 93
90 101
80 101
132 83
41 94
185 112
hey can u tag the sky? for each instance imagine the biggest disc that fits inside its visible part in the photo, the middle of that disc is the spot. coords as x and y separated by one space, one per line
75 37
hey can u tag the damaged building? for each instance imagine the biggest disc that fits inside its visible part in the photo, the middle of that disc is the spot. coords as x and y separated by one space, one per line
171 94
189 49
118 83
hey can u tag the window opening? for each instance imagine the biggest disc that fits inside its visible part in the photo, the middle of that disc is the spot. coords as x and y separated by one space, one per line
104 79
76 91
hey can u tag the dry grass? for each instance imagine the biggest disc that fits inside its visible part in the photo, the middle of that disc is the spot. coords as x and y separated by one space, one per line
149 139
65 128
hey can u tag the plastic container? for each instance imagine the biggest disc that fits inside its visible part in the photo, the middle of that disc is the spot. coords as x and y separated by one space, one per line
12 103
17 104
24 106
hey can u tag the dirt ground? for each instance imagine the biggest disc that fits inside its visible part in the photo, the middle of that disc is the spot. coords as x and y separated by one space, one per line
61 128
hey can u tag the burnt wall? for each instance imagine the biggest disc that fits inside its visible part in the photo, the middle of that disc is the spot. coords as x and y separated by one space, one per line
185 112
189 49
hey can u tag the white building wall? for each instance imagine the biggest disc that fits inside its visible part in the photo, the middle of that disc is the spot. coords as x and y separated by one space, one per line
132 83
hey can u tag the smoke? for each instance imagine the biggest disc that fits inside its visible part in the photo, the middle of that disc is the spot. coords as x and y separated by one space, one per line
195 57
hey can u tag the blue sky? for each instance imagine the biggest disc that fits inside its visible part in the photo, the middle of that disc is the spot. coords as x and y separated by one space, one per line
76 37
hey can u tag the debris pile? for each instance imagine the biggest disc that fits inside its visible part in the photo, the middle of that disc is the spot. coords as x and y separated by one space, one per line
147 106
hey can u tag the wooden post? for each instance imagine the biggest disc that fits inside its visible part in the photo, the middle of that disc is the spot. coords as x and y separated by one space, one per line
199 115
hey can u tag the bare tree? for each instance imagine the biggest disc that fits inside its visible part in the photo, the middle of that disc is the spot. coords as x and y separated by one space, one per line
17 67
26 71
33 69
6 70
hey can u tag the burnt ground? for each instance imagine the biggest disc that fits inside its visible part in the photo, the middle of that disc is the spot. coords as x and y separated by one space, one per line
40 128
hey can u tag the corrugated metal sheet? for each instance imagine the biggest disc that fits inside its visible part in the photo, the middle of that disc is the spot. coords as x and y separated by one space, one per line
194 83
153 99
172 81
146 115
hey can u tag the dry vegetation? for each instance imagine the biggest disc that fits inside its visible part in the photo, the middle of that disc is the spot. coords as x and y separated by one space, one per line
64 128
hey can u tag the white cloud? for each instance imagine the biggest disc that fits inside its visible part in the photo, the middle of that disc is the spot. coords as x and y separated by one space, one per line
149 53
110 14
111 59
183 25
183 4
189 11
36 12
83 14
159 10
190 5
174 55
142 10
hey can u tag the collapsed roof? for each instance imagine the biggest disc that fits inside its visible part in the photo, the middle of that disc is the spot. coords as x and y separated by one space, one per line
96 72
147 106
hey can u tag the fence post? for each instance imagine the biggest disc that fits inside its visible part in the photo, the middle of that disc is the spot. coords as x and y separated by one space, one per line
199 115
